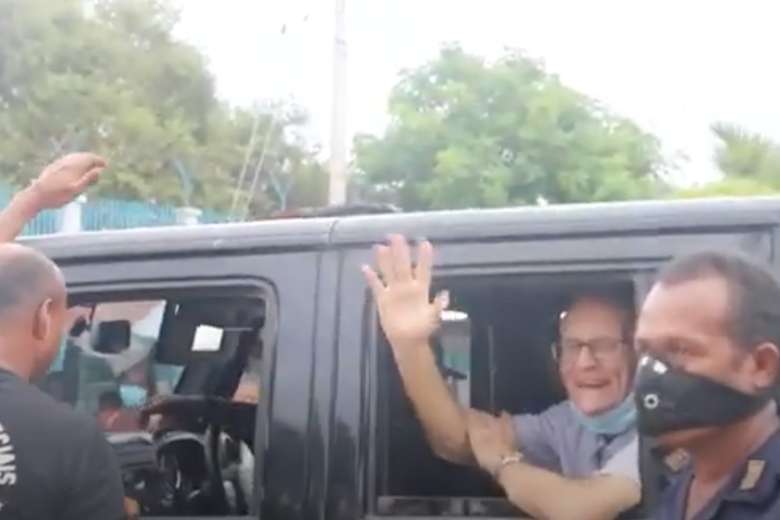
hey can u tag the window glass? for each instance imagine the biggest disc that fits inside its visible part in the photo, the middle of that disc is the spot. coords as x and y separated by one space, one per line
493 350
112 386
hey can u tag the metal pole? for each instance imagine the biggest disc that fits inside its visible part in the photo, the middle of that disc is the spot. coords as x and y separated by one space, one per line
338 132
250 150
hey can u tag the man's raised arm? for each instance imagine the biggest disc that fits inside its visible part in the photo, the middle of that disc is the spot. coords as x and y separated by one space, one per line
58 184
547 495
409 318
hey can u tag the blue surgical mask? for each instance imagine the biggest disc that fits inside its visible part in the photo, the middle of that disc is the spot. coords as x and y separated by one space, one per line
133 396
611 422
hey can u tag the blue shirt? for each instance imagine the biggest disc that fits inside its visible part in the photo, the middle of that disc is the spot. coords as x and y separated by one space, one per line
752 492
556 440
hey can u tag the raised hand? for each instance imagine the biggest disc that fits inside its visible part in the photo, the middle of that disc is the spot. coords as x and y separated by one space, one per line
402 293
66 178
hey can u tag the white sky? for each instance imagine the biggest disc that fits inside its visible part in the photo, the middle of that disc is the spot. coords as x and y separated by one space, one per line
673 66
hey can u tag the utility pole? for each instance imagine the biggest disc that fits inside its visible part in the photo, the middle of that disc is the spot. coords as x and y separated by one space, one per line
338 131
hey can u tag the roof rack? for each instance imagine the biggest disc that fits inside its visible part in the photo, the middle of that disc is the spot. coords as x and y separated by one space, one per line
344 210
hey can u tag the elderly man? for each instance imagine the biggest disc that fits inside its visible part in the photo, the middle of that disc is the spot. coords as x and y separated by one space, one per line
584 449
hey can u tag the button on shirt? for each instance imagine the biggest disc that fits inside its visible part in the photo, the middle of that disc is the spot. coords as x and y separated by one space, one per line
556 440
752 492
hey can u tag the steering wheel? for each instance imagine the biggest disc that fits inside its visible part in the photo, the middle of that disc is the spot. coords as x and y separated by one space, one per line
215 464
212 416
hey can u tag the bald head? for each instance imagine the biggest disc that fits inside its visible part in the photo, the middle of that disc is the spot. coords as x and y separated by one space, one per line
27 278
32 310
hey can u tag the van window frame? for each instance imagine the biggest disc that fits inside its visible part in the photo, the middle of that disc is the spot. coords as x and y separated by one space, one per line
253 287
639 272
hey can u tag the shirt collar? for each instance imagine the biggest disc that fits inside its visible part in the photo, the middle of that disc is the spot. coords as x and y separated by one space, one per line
755 482
758 476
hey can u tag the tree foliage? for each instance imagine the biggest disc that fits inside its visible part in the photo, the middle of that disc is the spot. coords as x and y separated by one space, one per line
747 155
748 161
468 133
108 75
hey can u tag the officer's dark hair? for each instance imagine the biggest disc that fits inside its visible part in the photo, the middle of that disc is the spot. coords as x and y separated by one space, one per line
754 292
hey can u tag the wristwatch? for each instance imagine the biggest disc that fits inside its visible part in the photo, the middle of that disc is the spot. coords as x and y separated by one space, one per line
506 460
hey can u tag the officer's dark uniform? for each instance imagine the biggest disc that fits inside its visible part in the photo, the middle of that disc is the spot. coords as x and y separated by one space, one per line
752 493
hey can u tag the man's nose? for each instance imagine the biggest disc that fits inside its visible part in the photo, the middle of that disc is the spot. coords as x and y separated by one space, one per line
585 358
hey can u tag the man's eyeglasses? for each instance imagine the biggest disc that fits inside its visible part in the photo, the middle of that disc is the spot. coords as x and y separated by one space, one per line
567 351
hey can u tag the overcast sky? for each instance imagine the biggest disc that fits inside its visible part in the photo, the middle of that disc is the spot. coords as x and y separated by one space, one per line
674 67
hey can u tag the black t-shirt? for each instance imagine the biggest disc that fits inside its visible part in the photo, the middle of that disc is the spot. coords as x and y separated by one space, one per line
54 462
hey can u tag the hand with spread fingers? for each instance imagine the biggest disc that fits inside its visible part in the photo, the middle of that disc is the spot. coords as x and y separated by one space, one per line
402 292
58 184
67 178
489 438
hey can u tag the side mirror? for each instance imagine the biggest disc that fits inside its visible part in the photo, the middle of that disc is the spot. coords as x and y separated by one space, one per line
111 337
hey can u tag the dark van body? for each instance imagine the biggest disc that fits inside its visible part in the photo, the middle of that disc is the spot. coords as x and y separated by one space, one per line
333 436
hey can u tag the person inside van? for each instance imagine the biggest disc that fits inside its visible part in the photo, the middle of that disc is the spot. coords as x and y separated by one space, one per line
579 458
112 414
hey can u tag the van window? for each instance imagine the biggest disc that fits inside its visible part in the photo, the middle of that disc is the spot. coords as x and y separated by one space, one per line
86 374
494 349
196 358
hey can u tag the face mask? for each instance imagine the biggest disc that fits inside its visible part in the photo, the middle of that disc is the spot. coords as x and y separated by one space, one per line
612 422
670 399
133 396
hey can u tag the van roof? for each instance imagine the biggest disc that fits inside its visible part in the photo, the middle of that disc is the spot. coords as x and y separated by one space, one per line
319 233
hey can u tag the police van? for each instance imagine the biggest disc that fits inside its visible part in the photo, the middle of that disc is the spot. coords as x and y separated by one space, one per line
240 373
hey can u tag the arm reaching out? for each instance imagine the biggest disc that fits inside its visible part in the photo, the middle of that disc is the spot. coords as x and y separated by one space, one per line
59 183
409 318
539 492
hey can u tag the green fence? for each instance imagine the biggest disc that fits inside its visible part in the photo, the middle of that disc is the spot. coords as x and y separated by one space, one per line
105 214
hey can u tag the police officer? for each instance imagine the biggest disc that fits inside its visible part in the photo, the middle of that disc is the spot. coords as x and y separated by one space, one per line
709 340
54 463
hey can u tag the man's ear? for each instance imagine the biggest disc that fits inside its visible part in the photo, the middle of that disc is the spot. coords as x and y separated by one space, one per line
42 322
766 361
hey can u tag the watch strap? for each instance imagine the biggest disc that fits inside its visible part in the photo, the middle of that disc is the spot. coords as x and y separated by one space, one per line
507 460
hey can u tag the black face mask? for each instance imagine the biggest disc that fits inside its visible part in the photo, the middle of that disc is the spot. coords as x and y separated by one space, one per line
669 399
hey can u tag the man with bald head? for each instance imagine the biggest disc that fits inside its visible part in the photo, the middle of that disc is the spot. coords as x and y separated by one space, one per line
54 462
31 288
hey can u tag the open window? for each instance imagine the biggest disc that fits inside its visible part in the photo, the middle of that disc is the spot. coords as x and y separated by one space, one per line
176 375
494 349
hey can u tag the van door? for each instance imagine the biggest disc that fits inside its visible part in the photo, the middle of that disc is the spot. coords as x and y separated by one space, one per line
505 300
284 283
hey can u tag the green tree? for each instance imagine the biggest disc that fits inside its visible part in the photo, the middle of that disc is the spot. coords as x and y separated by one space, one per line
748 161
468 133
729 187
747 155
287 172
108 75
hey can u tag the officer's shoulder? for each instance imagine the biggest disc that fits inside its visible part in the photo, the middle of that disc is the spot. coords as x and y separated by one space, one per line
764 464
58 416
